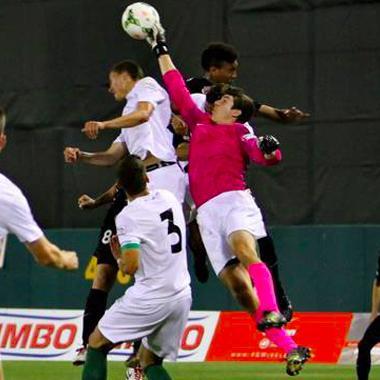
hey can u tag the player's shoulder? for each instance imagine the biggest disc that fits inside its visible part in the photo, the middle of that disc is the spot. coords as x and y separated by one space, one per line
11 190
148 83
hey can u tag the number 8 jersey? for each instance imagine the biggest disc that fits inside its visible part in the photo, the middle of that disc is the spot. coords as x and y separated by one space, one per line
155 223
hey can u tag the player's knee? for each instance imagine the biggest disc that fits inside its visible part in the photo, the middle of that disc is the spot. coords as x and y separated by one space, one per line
364 347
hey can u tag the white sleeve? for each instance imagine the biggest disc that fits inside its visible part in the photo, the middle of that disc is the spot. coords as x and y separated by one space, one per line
127 229
20 221
199 100
150 91
251 131
119 139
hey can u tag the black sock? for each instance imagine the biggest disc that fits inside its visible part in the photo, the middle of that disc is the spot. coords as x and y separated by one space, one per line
136 347
95 307
269 257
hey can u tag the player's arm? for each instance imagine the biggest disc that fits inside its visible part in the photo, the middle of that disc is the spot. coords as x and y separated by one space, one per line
376 294
129 259
263 150
139 116
108 157
85 202
47 254
174 82
286 115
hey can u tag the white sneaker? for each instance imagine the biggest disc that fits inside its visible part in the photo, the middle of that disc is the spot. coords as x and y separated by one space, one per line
80 356
134 373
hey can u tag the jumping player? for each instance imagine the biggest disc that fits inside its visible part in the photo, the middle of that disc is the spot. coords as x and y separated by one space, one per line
229 220
144 133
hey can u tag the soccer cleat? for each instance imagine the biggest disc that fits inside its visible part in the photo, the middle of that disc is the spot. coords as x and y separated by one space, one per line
271 319
285 307
134 370
134 373
80 356
296 359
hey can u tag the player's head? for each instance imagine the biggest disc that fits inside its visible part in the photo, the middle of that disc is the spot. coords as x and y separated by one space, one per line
132 175
3 139
123 76
229 103
220 62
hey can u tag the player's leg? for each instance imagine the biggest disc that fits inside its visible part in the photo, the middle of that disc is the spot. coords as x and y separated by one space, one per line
152 365
95 367
105 277
269 257
164 341
236 279
370 339
1 371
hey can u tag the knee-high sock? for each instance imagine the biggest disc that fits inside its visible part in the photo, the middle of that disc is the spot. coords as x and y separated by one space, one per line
95 367
156 372
277 336
263 283
95 307
269 257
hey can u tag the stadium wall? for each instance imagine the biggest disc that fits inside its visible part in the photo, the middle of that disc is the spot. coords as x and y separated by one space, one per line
321 55
324 268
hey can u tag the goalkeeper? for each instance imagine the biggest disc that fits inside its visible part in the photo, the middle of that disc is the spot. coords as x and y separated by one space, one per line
229 219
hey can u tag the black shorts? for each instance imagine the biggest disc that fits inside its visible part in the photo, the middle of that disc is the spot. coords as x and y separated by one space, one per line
103 251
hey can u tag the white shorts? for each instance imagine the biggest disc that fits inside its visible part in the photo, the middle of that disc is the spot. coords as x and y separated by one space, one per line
220 216
160 326
170 178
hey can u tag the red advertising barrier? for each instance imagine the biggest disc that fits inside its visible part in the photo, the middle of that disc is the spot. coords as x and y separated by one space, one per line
236 337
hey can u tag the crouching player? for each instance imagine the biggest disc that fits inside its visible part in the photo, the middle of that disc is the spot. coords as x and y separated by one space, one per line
152 237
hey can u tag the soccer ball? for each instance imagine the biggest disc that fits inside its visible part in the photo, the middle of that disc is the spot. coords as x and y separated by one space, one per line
138 20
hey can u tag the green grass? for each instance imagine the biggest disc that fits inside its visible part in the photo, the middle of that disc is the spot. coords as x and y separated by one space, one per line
19 370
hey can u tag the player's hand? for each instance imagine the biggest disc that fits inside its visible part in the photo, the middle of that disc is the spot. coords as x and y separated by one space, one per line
115 247
157 33
292 114
71 155
268 144
92 129
85 202
179 126
70 260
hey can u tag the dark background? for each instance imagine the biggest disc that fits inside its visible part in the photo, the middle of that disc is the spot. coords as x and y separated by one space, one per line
323 56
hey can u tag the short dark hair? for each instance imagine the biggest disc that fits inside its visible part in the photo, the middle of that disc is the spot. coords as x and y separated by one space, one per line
130 67
242 101
218 53
2 120
132 175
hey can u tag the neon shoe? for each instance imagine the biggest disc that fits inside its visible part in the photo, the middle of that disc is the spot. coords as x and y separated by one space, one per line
271 319
296 359
80 356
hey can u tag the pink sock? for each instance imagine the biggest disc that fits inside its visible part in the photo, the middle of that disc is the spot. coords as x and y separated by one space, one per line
263 283
277 336
281 339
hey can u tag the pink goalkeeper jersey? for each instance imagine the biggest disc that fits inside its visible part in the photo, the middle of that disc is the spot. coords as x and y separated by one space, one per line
219 153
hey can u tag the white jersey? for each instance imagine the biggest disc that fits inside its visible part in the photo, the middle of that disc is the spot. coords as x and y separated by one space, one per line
157 224
15 214
154 135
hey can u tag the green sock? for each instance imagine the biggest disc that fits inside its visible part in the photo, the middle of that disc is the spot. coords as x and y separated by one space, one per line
156 372
95 367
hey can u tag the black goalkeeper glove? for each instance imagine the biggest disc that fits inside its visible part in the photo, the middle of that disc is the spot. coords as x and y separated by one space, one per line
268 144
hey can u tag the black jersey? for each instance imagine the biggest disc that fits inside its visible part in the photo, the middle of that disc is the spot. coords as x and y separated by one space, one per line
198 85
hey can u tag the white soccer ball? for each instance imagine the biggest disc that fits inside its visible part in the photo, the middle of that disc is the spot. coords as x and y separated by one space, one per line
138 20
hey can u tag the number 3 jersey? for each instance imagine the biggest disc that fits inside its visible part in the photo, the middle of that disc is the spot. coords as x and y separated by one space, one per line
155 223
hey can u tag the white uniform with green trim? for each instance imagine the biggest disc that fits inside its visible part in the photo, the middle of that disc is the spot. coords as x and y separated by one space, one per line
156 307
